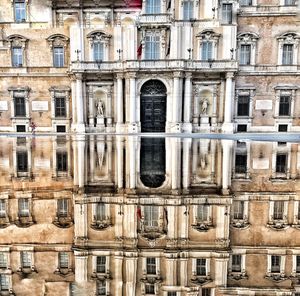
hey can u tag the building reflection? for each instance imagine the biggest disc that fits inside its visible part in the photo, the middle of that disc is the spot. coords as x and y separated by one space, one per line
103 215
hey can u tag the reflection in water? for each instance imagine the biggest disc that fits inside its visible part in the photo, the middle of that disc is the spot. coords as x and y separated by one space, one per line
141 216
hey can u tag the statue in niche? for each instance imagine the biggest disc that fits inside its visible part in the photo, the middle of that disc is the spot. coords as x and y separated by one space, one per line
100 108
203 163
204 106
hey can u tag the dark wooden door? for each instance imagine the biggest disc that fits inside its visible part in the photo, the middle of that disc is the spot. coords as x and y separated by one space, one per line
153 113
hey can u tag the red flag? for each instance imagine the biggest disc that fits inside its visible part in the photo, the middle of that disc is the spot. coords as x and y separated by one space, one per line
139 51
139 213
133 3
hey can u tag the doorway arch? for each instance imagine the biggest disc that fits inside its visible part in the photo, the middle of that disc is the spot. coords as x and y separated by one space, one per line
153 106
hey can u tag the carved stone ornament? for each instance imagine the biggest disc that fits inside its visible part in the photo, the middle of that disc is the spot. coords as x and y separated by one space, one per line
238 275
58 40
63 222
201 280
101 224
276 277
63 271
24 221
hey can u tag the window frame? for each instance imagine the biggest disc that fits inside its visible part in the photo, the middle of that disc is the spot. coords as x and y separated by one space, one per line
24 207
58 56
227 14
153 7
60 106
152 46
20 9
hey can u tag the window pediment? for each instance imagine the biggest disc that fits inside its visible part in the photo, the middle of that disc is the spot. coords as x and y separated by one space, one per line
57 40
248 37
98 36
290 38
17 40
208 35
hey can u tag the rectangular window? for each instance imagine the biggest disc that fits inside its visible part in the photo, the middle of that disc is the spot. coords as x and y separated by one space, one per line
100 212
242 128
245 54
206 53
61 161
23 207
202 213
289 2
282 127
281 163
240 163
298 263
3 260
26 259
60 107
152 47
61 128
152 6
245 2
236 263
151 265
20 109
21 129
63 259
62 207
2 208
17 57
20 10
150 289
101 288
206 292
285 106
275 264
172 293
278 210
287 54
201 267
188 10
243 106
98 51
58 56
22 161
227 13
238 210
101 264
151 216
4 282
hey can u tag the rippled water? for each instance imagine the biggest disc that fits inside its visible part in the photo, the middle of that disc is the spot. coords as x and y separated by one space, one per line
116 215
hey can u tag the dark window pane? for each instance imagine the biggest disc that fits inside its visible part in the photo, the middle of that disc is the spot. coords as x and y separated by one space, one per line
62 207
241 128
282 127
20 109
240 163
61 128
287 54
22 161
284 106
101 264
61 159
206 292
278 210
238 210
281 163
243 106
245 54
150 289
201 267
151 265
60 107
236 263
21 129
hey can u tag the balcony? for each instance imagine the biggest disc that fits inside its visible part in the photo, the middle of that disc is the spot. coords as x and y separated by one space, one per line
155 66
154 19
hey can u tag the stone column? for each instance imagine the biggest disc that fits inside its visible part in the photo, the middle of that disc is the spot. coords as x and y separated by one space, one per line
183 269
79 104
226 167
120 161
132 161
118 275
91 107
73 96
81 160
188 102
132 103
177 102
228 125
130 273
109 107
186 162
221 272
214 107
81 263
171 269
119 102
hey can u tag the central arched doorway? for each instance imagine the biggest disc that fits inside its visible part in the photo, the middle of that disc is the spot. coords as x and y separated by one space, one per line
153 106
